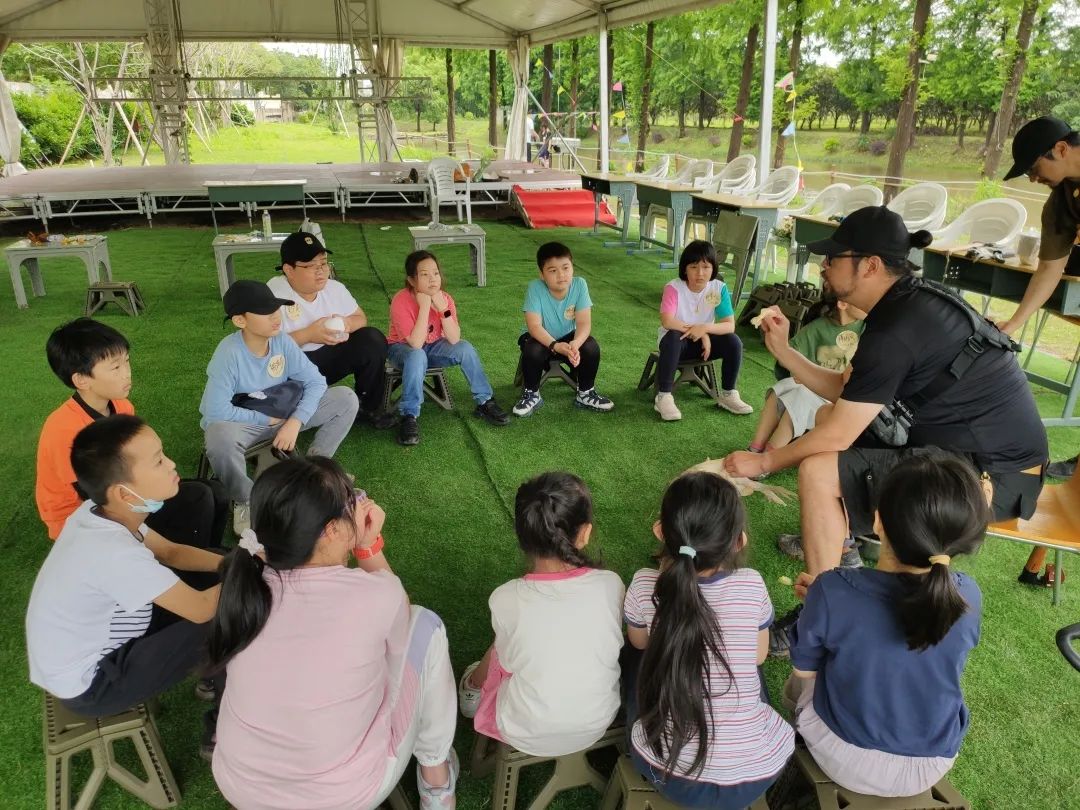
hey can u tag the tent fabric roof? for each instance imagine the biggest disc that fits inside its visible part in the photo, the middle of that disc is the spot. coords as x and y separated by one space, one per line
445 23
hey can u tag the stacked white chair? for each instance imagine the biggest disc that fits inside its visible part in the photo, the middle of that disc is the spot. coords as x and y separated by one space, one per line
922 206
443 191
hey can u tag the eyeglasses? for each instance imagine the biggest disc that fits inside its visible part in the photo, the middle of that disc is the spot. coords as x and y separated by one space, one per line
1033 173
316 265
832 258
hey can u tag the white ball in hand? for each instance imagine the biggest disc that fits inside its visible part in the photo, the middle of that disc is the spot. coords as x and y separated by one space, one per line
335 323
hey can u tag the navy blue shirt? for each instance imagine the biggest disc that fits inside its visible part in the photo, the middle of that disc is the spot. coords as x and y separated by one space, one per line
871 690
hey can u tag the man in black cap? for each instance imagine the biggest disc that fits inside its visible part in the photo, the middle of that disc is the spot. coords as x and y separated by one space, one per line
329 325
1047 150
922 350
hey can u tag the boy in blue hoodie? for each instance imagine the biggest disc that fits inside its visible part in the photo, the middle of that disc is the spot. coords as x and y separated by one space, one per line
261 385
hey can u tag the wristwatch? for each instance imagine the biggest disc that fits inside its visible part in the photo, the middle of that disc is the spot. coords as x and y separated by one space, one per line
448 314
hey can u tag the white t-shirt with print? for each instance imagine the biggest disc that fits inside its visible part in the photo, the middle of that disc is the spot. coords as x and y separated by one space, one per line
333 299
559 636
93 593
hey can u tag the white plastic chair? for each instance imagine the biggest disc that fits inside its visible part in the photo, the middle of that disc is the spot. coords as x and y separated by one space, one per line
735 176
922 207
864 196
442 190
997 221
658 172
695 173
825 204
780 186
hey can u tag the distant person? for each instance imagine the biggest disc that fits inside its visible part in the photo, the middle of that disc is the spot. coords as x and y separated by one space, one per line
357 349
697 321
558 325
261 387
549 685
879 653
425 333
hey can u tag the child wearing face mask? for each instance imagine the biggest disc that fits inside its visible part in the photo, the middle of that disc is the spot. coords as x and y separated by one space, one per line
109 625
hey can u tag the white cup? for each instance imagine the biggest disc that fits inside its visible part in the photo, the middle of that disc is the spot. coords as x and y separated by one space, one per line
1027 247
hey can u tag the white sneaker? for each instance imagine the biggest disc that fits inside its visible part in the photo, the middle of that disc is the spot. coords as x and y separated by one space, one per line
664 404
439 798
241 518
468 696
529 402
731 401
593 401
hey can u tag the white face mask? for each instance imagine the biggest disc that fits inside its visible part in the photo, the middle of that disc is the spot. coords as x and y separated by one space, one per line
148 505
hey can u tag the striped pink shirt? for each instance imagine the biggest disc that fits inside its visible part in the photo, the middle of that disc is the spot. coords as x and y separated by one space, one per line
748 740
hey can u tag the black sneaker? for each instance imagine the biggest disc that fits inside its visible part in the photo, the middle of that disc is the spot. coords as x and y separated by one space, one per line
780 634
408 431
491 413
206 690
1062 469
380 421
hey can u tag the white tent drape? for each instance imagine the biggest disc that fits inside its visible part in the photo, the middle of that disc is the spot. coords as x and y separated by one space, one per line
388 62
519 66
10 128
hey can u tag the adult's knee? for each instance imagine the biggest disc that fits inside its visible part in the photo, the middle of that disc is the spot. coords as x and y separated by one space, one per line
464 349
367 341
416 360
819 474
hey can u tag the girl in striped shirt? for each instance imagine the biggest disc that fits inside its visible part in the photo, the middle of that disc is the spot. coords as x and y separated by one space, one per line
706 736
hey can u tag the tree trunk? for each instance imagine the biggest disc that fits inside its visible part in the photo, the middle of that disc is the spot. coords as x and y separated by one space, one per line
451 136
793 66
1007 107
864 127
493 99
646 90
905 118
610 74
575 80
549 68
743 99
682 116
960 129
701 109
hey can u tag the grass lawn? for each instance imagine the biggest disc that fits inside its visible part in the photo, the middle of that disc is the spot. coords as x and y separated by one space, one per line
449 528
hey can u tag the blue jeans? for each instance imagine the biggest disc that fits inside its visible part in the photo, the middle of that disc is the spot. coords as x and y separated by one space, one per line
414 364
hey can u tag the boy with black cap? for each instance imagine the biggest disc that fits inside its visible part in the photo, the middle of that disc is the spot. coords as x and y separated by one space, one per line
261 386
328 324
923 349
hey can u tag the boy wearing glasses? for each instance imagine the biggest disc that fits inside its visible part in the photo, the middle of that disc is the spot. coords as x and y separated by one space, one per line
329 326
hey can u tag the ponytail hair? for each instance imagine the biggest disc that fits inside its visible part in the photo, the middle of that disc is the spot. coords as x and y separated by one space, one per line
549 513
291 505
701 519
931 506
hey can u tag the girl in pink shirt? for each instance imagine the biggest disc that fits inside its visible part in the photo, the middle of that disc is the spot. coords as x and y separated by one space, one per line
323 711
425 332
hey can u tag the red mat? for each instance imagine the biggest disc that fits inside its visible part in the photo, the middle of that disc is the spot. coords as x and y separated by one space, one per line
551 209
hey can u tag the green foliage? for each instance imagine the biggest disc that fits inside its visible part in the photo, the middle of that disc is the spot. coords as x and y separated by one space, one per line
50 119
831 145
241 116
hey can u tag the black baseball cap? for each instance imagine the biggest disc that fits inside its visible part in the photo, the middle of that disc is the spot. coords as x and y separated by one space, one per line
301 247
1033 140
874 231
246 295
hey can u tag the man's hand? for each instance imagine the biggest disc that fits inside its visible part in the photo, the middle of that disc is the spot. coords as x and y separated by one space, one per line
285 439
802 583
745 464
440 301
1008 327
776 328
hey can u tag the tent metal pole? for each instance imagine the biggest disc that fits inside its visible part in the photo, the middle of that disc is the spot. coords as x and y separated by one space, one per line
605 89
767 81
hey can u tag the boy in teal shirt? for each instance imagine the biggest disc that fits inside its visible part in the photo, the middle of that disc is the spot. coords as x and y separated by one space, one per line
558 324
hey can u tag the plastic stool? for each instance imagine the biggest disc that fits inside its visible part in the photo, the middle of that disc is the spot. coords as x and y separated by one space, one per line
633 791
397 800
436 386
556 370
701 373
571 770
125 294
67 734
260 452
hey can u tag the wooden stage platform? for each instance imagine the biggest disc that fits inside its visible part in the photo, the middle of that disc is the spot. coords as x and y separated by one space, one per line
44 194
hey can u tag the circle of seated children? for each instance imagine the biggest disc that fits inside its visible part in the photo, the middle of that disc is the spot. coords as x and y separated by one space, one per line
698 627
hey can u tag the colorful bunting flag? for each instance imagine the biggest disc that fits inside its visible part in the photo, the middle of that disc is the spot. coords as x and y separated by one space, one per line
539 63
629 167
792 95
787 82
738 118
624 139
561 90
618 115
617 87
789 130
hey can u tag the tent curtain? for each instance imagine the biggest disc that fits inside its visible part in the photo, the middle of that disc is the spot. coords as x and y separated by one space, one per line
388 62
519 66
10 128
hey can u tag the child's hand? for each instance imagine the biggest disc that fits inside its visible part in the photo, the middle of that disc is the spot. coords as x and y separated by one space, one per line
328 337
440 301
370 518
285 438
697 331
575 353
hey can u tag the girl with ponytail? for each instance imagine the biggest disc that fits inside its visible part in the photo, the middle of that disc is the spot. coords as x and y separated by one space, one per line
706 735
878 654
335 682
549 685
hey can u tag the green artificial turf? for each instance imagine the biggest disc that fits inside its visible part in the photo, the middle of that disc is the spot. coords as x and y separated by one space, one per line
448 502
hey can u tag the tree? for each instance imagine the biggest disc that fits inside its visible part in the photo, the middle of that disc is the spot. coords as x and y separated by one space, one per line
493 99
793 66
905 118
643 118
735 142
1007 107
451 135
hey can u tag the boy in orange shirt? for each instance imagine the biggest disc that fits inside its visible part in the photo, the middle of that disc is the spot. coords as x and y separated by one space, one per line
92 359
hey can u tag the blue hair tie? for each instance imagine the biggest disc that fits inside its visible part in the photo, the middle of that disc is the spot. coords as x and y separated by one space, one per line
688 551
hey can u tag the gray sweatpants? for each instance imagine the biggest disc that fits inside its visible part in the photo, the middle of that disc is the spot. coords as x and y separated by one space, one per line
226 442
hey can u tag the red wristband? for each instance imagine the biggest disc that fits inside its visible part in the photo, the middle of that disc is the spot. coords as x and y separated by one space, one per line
370 551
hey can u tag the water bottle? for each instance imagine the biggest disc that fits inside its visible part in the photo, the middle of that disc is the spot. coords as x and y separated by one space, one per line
268 232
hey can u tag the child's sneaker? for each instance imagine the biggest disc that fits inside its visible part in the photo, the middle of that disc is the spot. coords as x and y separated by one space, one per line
731 401
241 518
593 401
206 690
439 798
468 696
664 404
529 402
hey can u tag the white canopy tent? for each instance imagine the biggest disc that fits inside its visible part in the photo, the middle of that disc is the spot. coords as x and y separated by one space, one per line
514 25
